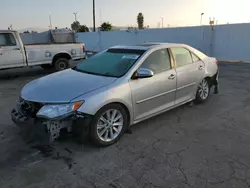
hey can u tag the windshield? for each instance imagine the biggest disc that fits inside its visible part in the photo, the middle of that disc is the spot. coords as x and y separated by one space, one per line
113 62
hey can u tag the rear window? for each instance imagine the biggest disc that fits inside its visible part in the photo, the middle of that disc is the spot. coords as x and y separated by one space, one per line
113 62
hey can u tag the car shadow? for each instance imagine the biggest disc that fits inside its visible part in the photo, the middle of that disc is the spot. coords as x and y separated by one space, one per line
11 74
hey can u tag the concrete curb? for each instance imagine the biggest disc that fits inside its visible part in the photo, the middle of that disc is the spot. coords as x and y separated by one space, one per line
233 61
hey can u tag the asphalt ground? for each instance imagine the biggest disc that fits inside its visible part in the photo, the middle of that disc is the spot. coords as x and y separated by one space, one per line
205 145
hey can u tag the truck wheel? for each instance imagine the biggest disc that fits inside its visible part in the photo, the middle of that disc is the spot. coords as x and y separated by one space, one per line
47 66
61 64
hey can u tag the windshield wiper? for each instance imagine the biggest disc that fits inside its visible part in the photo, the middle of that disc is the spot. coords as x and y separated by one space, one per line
83 71
93 73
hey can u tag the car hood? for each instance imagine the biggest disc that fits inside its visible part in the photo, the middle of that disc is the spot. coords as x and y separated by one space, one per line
63 86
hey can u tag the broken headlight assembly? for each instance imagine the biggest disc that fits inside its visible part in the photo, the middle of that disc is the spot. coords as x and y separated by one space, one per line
52 111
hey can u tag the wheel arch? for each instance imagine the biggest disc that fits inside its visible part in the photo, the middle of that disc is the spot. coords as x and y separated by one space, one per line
209 78
61 55
126 108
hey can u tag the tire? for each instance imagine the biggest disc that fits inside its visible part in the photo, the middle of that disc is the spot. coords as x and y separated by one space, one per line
203 91
61 64
98 135
47 66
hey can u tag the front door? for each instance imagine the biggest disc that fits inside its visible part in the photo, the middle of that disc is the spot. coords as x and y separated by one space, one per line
10 52
190 70
154 94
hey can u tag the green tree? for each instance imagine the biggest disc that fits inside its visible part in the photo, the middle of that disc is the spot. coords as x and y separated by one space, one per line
140 20
75 26
106 26
83 28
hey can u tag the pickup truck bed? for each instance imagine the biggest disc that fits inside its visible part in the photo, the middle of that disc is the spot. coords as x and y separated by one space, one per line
47 53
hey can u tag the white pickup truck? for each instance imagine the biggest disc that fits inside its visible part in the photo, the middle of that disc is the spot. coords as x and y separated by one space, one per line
14 54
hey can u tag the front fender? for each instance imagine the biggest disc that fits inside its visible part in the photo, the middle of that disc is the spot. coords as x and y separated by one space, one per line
97 99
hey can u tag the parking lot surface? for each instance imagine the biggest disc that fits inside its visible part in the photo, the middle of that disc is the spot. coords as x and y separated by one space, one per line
199 146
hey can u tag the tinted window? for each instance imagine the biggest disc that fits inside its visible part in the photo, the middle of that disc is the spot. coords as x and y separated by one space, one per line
195 58
182 56
114 62
7 39
157 61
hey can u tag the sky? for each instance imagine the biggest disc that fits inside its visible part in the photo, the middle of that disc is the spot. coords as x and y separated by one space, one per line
35 13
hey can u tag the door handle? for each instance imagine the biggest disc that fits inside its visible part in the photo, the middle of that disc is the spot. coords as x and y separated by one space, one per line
200 67
171 77
16 49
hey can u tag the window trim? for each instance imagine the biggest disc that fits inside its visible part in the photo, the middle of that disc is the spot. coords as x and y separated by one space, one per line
170 60
199 59
13 37
175 59
173 62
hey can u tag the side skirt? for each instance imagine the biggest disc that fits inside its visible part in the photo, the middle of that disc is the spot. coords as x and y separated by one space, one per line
160 112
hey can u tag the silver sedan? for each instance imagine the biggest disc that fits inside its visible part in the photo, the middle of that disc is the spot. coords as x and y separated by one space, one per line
121 86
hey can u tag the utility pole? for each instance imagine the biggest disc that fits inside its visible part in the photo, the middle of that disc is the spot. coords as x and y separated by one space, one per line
75 13
50 23
201 17
94 15
162 21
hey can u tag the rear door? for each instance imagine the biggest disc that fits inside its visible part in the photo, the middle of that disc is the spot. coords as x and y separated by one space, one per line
11 54
190 70
154 94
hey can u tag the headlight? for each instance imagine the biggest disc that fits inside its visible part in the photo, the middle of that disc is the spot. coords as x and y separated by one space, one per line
56 110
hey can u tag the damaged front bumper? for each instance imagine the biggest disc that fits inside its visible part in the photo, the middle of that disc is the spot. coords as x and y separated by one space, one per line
45 131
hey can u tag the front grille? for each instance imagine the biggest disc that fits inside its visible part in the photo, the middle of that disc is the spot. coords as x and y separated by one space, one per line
29 108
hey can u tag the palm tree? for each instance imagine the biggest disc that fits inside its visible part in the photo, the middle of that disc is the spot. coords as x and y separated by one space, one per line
75 26
140 20
106 26
83 28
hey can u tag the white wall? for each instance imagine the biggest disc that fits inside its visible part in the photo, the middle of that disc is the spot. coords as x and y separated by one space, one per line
225 42
193 36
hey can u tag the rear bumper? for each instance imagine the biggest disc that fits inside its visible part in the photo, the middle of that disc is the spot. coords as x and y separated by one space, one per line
215 83
213 78
44 132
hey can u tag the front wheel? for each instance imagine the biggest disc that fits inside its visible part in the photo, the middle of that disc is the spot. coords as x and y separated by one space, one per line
203 91
108 125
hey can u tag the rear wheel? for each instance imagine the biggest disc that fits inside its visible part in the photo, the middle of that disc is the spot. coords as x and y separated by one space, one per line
203 91
108 125
61 64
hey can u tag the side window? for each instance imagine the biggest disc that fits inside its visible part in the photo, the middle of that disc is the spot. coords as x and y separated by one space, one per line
157 61
195 57
7 39
182 56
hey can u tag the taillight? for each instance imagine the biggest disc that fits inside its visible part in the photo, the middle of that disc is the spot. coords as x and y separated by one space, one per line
217 62
83 49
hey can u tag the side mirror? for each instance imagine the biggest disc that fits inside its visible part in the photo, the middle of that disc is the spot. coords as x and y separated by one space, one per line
143 73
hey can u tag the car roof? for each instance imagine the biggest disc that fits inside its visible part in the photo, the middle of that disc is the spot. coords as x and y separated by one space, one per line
152 45
5 30
148 46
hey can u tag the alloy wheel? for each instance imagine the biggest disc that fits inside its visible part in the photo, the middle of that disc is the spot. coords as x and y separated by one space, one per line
110 125
203 90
